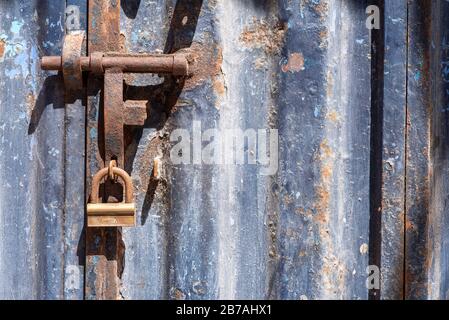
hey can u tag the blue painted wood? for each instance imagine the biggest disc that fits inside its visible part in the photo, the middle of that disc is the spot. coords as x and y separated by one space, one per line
323 184
390 99
211 231
428 95
74 165
360 132
40 218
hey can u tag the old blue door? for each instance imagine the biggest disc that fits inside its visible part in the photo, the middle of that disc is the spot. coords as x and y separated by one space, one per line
355 185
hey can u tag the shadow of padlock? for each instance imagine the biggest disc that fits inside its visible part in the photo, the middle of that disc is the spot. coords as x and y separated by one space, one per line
122 214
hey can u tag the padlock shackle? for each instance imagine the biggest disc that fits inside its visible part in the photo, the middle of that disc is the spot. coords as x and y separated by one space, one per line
128 184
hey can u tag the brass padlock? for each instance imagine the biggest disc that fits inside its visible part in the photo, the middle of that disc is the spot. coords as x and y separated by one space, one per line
122 214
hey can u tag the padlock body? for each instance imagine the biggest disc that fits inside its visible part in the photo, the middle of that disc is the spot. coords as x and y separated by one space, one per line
111 215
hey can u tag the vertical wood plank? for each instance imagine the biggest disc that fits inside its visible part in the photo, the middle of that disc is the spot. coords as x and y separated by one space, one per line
104 246
229 231
418 187
324 127
40 199
74 165
390 58
434 249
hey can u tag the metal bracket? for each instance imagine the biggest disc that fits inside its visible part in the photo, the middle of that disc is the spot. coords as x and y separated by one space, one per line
117 112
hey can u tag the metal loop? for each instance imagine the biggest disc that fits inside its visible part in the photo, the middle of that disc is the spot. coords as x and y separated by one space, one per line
112 176
128 184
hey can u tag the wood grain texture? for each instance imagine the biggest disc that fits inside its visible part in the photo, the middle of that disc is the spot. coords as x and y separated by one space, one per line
390 80
41 201
360 176
432 278
418 186
210 231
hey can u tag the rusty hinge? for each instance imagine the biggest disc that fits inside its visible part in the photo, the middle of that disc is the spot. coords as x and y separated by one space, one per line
117 112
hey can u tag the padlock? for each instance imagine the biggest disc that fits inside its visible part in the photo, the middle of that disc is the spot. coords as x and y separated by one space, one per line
122 214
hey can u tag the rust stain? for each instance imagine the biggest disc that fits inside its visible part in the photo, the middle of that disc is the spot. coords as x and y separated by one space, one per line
325 150
409 225
219 86
205 60
322 205
288 200
261 63
323 38
295 63
266 35
326 173
321 9
178 294
333 269
2 47
322 191
333 116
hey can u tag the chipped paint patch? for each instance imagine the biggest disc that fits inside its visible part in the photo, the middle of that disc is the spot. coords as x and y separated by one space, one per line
261 63
14 46
266 35
16 26
219 87
30 103
205 60
333 116
321 9
364 248
295 63
2 48
324 34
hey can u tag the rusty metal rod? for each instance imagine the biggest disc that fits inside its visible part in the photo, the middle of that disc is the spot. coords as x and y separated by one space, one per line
174 64
51 63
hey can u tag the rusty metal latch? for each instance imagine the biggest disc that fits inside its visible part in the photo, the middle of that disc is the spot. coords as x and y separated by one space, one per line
117 112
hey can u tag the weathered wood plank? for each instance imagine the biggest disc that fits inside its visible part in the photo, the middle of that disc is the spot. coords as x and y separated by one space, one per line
74 163
230 231
324 129
176 235
35 208
418 150
429 265
390 53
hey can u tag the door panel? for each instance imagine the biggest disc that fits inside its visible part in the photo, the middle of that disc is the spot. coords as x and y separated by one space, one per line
42 160
357 119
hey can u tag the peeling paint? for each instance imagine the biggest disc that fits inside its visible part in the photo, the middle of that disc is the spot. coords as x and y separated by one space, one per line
2 48
295 63
266 35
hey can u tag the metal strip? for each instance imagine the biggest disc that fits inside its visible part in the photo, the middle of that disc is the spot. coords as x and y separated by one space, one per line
103 266
113 116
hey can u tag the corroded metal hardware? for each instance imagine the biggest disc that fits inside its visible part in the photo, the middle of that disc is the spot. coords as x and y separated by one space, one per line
117 111
97 62
112 65
71 51
111 214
